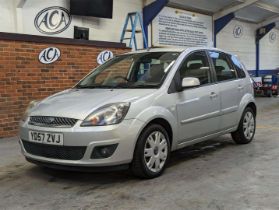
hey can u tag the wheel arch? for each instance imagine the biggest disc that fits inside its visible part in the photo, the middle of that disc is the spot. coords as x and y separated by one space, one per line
163 117
165 124
248 100
253 106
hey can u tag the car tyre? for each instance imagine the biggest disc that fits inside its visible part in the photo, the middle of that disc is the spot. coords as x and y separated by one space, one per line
246 128
151 153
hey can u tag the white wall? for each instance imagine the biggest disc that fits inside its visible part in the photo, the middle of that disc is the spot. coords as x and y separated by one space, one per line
244 47
22 21
8 15
100 28
269 51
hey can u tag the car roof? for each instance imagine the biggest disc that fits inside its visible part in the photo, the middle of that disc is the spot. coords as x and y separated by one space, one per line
182 49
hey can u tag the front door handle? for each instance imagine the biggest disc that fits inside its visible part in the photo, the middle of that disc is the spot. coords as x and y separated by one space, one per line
213 95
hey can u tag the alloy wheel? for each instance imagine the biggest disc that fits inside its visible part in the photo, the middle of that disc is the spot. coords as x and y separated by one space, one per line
249 125
155 151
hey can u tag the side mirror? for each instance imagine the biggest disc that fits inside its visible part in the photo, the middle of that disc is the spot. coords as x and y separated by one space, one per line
190 82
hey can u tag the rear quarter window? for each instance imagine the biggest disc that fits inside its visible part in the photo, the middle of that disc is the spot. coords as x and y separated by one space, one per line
238 67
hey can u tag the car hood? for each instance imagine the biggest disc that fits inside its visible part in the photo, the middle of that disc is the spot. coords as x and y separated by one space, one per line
79 103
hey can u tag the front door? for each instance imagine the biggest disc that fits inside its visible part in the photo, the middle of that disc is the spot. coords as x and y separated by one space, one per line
198 108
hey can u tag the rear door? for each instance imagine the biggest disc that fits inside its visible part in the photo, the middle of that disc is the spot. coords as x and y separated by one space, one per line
229 86
243 86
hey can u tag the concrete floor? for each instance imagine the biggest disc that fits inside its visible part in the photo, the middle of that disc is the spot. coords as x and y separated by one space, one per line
214 175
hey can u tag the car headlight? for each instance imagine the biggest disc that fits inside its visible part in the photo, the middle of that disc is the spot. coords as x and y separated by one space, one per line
109 114
31 105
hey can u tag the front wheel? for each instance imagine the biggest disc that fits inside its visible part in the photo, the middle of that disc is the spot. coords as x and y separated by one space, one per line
246 128
151 152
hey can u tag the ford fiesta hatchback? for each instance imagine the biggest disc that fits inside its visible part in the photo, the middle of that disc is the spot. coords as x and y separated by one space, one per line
136 108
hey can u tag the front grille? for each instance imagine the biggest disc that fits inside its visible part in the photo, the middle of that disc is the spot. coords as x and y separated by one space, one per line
45 121
56 152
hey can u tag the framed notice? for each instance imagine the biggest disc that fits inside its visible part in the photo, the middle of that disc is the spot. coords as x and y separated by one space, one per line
180 28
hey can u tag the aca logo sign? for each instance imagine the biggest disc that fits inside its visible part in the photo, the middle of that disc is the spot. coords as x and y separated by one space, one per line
104 56
272 37
52 20
238 31
49 55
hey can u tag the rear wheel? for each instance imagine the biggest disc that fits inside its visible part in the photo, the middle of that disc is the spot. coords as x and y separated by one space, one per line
276 92
267 93
151 153
246 128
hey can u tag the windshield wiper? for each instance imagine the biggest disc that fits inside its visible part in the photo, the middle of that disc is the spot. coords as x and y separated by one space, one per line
145 86
119 86
93 86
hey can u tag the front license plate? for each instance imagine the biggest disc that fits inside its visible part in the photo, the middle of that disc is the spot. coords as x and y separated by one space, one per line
46 138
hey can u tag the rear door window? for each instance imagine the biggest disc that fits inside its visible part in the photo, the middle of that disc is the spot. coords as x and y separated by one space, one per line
222 66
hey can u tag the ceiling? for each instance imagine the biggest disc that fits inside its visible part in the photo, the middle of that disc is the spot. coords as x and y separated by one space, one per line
261 12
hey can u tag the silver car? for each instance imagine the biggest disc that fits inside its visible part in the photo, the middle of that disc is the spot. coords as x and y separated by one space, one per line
132 111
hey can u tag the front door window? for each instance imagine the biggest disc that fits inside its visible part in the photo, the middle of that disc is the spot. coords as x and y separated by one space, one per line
196 65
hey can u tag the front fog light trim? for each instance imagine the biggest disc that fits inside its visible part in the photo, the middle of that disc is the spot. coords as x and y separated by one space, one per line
104 151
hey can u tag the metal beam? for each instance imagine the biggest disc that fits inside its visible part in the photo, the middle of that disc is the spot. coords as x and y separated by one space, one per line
262 31
272 19
267 7
189 8
150 12
220 23
232 9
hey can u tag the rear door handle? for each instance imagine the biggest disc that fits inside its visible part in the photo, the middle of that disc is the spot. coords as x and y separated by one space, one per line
240 87
213 95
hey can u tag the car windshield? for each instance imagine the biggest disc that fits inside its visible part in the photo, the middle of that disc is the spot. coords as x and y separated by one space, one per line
140 70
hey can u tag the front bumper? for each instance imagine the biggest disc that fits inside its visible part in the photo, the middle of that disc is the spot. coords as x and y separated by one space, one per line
79 168
124 134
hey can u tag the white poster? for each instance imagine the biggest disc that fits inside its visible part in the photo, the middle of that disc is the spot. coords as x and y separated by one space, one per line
175 27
